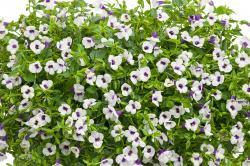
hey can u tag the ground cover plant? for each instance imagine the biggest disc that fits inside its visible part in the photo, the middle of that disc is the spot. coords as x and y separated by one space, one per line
164 83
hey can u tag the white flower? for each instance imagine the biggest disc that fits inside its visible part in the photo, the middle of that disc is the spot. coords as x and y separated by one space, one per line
205 111
8 81
3 156
88 42
233 106
131 134
79 113
79 20
217 95
64 109
75 150
237 137
162 16
138 142
46 84
81 126
27 92
123 160
78 92
102 81
246 88
177 111
169 124
61 66
117 131
131 153
168 82
25 144
91 77
217 78
126 89
128 56
12 61
3 31
24 104
125 32
196 70
162 64
197 87
162 138
111 98
205 78
172 32
44 28
144 74
114 61
106 162
198 42
164 117
96 139
218 54
242 60
192 124
185 57
215 40
64 44
181 85
148 152
134 76
225 65
12 46
31 32
112 22
49 4
156 98
157 51
87 103
186 36
36 46
165 156
49 149
245 42
65 148
35 67
211 18
207 130
110 113
196 159
125 17
51 67
148 47
133 106
178 66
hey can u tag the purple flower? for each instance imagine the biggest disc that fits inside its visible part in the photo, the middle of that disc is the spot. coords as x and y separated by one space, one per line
211 3
119 112
212 39
194 18
154 35
223 22
233 97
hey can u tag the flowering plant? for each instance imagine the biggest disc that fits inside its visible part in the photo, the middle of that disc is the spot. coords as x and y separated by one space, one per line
166 82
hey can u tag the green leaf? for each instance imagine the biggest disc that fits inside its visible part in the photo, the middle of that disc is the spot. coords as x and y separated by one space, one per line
223 10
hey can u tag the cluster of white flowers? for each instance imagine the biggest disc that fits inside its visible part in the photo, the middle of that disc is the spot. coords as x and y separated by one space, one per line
237 139
3 142
141 99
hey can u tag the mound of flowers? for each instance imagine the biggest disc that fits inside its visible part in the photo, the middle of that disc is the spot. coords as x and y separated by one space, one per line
163 83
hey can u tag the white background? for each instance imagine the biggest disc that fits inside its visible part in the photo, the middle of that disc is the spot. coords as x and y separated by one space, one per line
11 9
